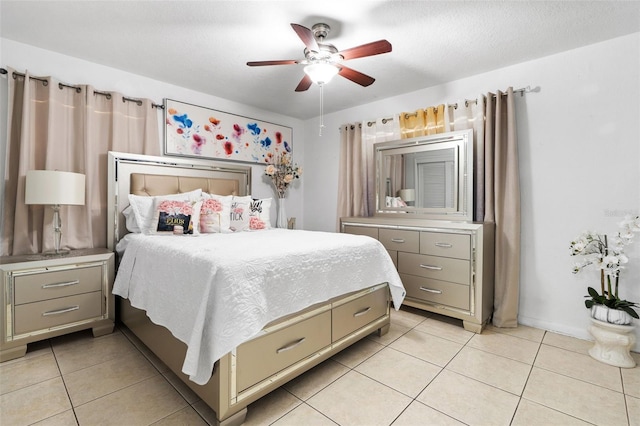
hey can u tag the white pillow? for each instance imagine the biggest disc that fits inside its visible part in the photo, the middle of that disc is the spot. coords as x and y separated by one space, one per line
260 214
130 220
144 212
239 216
215 214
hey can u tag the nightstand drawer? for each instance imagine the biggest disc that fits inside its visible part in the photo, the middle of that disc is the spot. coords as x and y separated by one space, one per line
436 267
400 240
52 313
435 291
443 244
45 285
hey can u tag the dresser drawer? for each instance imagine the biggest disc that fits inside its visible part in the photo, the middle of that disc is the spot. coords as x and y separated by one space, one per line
266 355
436 291
394 256
54 284
439 268
361 230
400 240
56 312
357 313
443 244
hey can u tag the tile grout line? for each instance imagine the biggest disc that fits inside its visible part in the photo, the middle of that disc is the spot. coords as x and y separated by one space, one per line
64 383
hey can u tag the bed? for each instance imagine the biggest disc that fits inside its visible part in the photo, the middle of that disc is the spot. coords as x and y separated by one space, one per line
237 314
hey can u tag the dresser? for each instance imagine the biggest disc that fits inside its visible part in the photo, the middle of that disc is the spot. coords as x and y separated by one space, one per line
446 267
44 296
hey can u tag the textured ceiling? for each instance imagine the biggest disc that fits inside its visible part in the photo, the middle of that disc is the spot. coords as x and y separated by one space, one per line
204 45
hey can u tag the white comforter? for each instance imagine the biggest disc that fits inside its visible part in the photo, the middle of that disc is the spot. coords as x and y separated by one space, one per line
216 291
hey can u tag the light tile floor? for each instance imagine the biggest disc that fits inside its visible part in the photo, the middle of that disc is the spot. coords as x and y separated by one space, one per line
427 370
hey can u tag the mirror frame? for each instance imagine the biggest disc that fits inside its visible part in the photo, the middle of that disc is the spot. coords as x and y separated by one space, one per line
462 141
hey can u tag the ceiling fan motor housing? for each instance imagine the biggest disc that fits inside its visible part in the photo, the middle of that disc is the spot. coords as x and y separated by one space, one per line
321 31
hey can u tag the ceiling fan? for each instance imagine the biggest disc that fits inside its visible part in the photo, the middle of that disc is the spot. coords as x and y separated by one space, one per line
323 60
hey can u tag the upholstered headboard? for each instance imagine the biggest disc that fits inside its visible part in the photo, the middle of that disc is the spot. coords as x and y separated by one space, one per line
145 184
147 175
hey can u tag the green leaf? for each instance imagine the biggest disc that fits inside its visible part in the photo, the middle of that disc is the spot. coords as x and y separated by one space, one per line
593 293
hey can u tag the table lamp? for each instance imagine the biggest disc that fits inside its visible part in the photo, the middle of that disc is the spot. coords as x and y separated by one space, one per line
408 195
54 188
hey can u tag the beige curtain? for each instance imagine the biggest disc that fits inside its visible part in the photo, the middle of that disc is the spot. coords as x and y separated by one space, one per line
380 130
412 124
57 127
428 121
351 173
502 203
496 189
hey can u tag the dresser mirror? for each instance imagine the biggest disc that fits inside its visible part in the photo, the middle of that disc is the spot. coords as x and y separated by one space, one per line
430 177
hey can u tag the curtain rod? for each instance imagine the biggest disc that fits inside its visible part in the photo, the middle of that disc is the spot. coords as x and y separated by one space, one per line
78 89
522 91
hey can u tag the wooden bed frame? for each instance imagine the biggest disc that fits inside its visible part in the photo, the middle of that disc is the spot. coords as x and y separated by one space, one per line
277 355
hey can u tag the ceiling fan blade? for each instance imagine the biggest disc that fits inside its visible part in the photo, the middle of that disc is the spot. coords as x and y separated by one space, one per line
304 84
369 49
306 35
356 76
262 63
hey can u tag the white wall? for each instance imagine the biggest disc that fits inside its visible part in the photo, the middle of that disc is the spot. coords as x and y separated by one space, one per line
71 70
579 153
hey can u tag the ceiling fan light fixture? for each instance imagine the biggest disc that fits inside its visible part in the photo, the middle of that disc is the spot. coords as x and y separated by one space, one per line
321 73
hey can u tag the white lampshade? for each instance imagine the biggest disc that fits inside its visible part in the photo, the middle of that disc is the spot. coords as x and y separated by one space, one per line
407 194
53 187
321 73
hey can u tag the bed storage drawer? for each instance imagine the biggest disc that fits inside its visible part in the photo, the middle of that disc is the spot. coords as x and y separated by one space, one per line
444 244
56 312
268 354
357 313
435 291
439 268
53 284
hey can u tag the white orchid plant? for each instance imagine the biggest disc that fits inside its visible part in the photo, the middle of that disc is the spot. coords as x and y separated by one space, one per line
607 255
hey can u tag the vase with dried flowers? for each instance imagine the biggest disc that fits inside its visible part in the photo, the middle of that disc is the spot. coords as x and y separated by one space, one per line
282 172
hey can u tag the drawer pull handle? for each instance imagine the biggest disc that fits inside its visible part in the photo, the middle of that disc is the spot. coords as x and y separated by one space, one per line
434 268
61 311
430 290
362 312
397 240
291 345
64 284
444 245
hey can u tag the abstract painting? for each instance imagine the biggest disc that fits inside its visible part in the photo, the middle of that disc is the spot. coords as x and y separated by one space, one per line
195 131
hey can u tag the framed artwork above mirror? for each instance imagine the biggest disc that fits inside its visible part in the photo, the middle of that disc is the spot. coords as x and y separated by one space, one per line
429 177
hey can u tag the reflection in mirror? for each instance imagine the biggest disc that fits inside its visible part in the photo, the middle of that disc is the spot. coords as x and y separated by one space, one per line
430 176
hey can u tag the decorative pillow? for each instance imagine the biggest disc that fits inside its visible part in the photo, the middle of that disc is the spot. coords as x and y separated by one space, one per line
260 214
144 208
176 217
215 214
240 213
395 202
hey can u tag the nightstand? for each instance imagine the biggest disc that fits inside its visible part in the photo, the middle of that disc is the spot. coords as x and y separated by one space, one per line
44 296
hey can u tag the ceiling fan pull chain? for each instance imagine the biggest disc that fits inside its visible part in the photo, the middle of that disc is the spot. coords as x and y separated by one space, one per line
321 107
